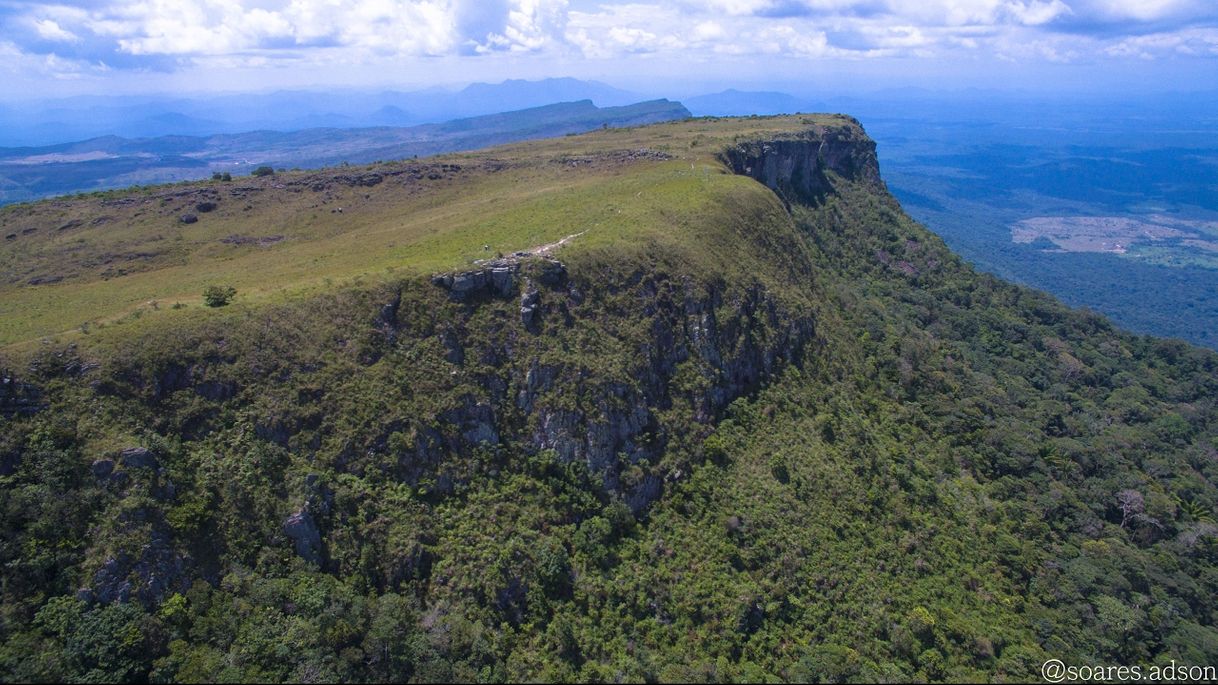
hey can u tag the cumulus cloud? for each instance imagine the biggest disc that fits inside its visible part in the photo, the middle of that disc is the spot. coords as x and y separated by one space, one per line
264 28
50 30
1191 43
884 28
80 35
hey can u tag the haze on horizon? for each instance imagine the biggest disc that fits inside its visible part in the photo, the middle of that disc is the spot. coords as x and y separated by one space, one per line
679 48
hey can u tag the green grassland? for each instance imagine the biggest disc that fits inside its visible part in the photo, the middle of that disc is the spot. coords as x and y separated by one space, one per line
477 205
748 436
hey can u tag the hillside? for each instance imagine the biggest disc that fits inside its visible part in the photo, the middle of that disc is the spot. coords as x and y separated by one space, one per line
28 173
686 402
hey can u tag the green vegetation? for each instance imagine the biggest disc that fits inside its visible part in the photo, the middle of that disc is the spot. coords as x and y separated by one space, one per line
218 295
262 171
742 440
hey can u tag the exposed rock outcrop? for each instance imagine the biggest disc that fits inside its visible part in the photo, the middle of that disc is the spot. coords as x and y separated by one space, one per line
796 167
102 468
733 338
18 398
302 530
529 301
149 572
497 278
138 458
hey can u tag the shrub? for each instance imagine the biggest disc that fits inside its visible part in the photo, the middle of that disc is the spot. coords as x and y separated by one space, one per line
218 295
263 171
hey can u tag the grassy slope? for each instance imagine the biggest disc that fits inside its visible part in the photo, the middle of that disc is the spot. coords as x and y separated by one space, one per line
142 254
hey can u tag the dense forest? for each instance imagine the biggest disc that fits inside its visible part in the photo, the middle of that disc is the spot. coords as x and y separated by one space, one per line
786 435
972 190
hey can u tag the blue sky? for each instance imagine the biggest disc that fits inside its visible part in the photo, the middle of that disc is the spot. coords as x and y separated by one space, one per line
125 46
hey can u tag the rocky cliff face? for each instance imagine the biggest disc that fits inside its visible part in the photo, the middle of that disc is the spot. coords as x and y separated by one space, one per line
725 342
796 167
622 368
497 344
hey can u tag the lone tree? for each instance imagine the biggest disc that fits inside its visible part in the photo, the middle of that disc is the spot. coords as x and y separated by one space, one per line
218 295
1132 505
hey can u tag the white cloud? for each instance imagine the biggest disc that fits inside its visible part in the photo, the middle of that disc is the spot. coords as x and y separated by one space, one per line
707 31
521 26
372 27
21 64
178 33
49 29
1037 13
977 12
1141 10
1191 43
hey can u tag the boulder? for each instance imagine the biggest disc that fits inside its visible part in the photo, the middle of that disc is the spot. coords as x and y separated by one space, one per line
102 468
138 458
112 581
454 353
503 280
10 461
468 282
150 575
18 398
303 532
529 302
553 273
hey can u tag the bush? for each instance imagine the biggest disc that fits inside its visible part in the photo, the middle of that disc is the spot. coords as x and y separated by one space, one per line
218 295
263 171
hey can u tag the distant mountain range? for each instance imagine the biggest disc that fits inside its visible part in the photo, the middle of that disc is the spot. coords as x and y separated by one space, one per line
113 161
734 103
56 121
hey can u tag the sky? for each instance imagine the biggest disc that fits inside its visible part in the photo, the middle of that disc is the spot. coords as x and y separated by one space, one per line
129 46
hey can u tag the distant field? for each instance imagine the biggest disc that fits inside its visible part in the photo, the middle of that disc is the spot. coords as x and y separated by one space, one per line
1157 238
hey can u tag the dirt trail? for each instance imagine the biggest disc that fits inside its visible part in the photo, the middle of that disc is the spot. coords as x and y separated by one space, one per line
545 249
537 251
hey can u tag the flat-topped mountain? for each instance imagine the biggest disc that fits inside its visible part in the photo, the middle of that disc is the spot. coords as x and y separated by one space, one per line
28 173
684 402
